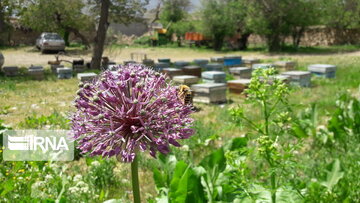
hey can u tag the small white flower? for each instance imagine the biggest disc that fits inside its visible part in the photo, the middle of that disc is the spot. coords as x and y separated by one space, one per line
77 178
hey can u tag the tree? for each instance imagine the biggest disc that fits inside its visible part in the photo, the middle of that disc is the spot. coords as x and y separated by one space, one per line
7 9
119 11
62 16
340 14
217 23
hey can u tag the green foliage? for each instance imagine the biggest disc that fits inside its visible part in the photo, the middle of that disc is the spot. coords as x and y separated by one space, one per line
53 121
174 10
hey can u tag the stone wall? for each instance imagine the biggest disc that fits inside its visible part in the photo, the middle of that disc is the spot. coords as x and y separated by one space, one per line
320 36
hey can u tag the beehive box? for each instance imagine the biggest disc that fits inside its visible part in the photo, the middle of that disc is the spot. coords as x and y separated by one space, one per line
249 62
263 66
171 72
201 62
160 66
241 72
214 67
213 76
232 61
10 70
148 62
217 59
181 64
79 68
323 70
192 70
36 72
54 68
86 77
64 73
164 60
300 78
185 80
284 78
238 86
209 93
286 65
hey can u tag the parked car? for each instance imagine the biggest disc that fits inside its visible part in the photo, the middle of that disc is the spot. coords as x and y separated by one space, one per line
2 60
50 42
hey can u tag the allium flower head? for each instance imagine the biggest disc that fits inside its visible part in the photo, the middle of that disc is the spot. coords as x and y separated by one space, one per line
130 109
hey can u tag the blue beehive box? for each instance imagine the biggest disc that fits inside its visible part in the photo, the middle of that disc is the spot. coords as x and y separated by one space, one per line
263 66
201 62
181 64
213 76
323 70
214 67
299 78
64 73
232 60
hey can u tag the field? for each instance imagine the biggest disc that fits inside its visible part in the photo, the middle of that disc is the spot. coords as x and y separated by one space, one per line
304 161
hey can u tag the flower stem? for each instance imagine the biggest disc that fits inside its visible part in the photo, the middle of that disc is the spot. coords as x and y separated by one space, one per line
135 180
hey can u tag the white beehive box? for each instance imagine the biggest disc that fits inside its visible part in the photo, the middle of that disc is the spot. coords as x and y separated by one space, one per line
300 78
185 80
64 73
86 77
287 65
209 93
323 70
213 76
241 72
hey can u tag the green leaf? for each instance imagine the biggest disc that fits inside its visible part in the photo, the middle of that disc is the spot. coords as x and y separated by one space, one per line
215 159
333 176
160 180
179 183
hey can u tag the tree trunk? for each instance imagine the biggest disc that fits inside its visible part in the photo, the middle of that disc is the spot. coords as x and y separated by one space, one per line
297 34
218 42
66 37
100 35
243 41
274 42
81 36
2 24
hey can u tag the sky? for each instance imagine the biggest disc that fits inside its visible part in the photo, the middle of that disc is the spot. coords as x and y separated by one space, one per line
154 3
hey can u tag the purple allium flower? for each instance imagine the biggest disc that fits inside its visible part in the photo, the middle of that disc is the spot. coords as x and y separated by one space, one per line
130 109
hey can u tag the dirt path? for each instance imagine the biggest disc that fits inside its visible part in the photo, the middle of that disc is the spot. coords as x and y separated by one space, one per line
24 57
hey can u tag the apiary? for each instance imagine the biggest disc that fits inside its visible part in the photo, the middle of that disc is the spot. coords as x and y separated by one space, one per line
181 64
164 60
86 77
214 67
217 59
64 73
241 72
10 70
286 65
249 62
300 78
185 80
232 61
238 86
36 72
201 62
171 72
263 66
213 76
160 66
323 70
192 70
209 93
